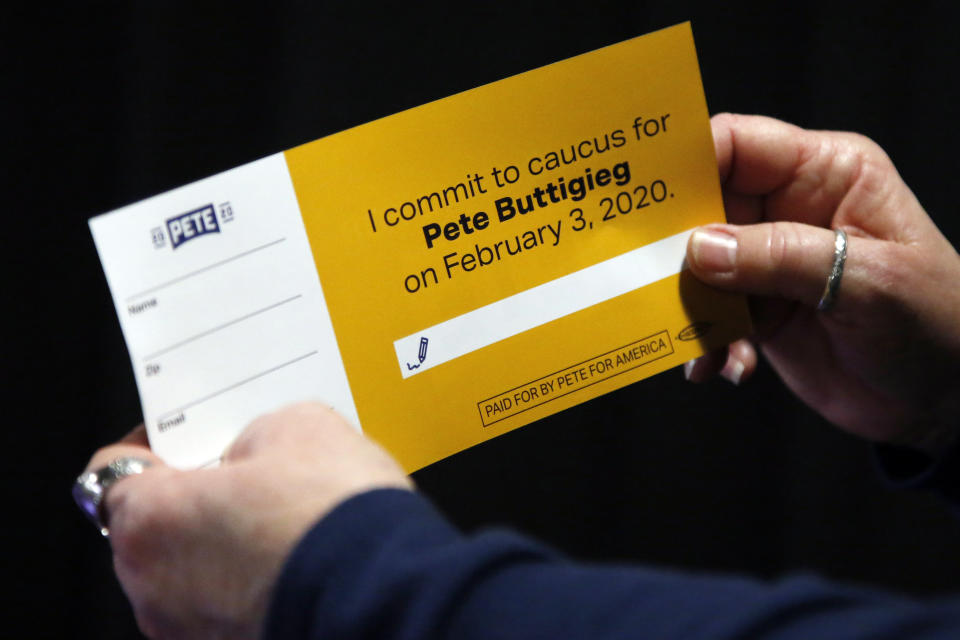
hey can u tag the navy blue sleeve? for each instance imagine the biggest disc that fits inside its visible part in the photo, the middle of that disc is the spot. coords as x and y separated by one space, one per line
386 565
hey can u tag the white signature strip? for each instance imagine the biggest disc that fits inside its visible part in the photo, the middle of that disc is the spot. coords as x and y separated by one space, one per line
541 304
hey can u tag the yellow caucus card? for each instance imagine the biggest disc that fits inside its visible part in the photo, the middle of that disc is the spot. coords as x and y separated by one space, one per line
442 275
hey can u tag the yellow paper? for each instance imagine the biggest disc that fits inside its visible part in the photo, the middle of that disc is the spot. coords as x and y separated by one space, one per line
638 104
440 276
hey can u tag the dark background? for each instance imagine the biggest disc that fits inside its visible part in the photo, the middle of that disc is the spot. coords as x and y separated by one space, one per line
105 105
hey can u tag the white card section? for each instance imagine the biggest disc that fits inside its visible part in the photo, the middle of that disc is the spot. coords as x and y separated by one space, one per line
221 308
539 305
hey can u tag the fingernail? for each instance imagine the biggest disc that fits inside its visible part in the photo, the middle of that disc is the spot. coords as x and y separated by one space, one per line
714 249
733 371
688 368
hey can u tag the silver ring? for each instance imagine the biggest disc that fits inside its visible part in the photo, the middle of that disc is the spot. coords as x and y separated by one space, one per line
836 271
90 488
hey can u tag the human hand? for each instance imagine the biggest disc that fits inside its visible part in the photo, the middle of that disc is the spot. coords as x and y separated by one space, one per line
884 362
198 552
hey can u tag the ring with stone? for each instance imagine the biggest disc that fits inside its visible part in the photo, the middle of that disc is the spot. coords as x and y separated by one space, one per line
90 488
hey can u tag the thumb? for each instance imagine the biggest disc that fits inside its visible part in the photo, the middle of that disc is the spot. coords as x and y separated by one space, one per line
780 259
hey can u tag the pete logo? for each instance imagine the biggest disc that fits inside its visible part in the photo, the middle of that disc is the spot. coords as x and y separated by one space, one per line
192 224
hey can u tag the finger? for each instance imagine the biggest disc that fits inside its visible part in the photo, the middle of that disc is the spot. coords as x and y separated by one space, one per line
735 362
706 366
741 362
755 154
132 445
779 259
803 175
122 449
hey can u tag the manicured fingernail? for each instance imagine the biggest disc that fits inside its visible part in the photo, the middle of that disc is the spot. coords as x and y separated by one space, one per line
714 249
733 371
688 368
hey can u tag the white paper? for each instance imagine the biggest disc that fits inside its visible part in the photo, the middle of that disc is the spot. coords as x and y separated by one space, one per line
230 323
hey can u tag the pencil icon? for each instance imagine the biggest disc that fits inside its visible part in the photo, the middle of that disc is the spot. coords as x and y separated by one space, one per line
421 355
